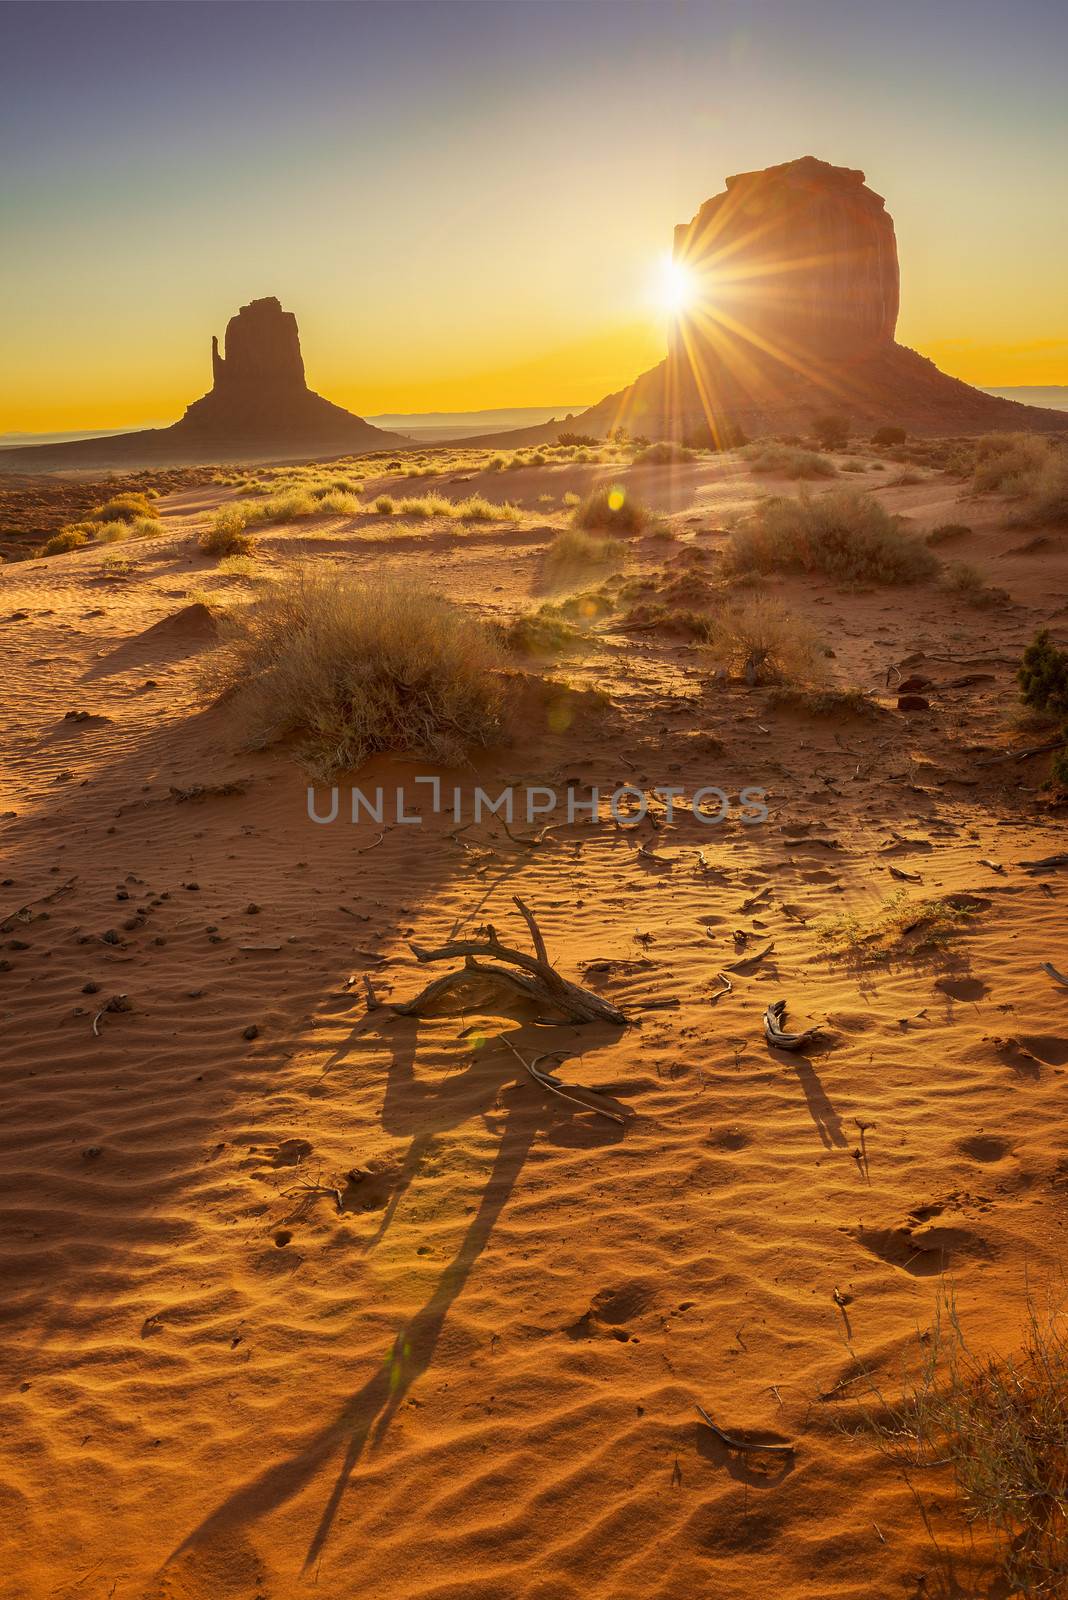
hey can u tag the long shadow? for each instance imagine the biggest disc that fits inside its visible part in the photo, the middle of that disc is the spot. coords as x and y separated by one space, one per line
364 1419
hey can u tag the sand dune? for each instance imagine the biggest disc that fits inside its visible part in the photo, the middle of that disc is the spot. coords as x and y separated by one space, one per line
473 1371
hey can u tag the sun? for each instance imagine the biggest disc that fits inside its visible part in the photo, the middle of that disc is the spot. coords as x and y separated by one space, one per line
678 287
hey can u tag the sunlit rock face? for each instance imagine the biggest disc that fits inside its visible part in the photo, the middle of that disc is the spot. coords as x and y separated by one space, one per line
262 347
798 260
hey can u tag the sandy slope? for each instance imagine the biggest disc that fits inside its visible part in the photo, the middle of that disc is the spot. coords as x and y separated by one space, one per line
478 1377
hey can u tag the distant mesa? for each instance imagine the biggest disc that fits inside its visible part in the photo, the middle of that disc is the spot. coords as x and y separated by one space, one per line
259 408
793 310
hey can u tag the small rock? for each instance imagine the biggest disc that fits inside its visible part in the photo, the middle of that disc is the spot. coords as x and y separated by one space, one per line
914 684
251 1032
91 1152
252 909
111 937
912 702
90 988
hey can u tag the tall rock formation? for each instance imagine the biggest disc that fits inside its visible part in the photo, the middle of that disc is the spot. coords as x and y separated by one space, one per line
794 308
259 408
801 258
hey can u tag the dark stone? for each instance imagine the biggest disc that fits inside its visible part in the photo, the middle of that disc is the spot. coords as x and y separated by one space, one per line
912 702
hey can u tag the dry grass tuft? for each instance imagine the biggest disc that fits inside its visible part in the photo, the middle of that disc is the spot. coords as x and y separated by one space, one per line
664 453
228 534
124 508
72 537
355 667
847 535
611 509
1006 461
785 461
1000 1423
757 637
574 551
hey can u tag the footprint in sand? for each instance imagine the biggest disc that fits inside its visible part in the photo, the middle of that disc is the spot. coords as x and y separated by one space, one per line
984 1147
611 1309
962 988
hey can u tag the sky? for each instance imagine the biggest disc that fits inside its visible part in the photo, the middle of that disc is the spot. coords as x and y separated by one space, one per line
469 204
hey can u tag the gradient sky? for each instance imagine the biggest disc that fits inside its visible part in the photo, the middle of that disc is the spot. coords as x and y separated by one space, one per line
468 204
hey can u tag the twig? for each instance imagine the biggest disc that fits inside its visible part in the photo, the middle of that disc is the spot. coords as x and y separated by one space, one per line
745 1445
1058 977
554 1086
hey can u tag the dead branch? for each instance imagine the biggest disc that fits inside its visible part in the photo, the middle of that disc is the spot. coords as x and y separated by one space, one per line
777 1036
1058 977
537 980
546 1080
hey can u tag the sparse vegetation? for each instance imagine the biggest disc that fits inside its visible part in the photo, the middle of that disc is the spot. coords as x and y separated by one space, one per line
786 461
354 667
663 454
542 632
847 535
124 508
883 931
1008 461
228 534
1001 1424
969 583
832 430
756 636
1043 676
612 509
947 532
69 538
889 436
573 551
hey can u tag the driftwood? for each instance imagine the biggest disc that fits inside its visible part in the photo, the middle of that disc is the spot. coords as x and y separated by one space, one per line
775 1033
905 877
536 979
1046 862
1058 977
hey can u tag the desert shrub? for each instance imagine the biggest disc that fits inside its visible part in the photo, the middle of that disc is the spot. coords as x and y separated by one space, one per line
495 464
612 509
353 667
113 532
1043 676
946 532
826 702
888 436
879 933
540 632
1001 1424
758 637
663 454
385 505
72 537
145 528
968 582
905 479
228 534
724 436
831 430
124 508
1046 489
477 509
588 439
427 505
787 462
291 505
845 534
574 550
340 503
1004 460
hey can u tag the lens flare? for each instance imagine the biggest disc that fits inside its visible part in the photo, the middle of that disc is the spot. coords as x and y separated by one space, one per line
678 287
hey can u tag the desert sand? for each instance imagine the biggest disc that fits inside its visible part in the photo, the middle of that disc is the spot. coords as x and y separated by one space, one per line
472 1370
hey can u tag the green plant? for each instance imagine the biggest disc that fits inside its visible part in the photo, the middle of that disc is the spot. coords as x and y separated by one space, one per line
588 439
1043 676
846 534
354 667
